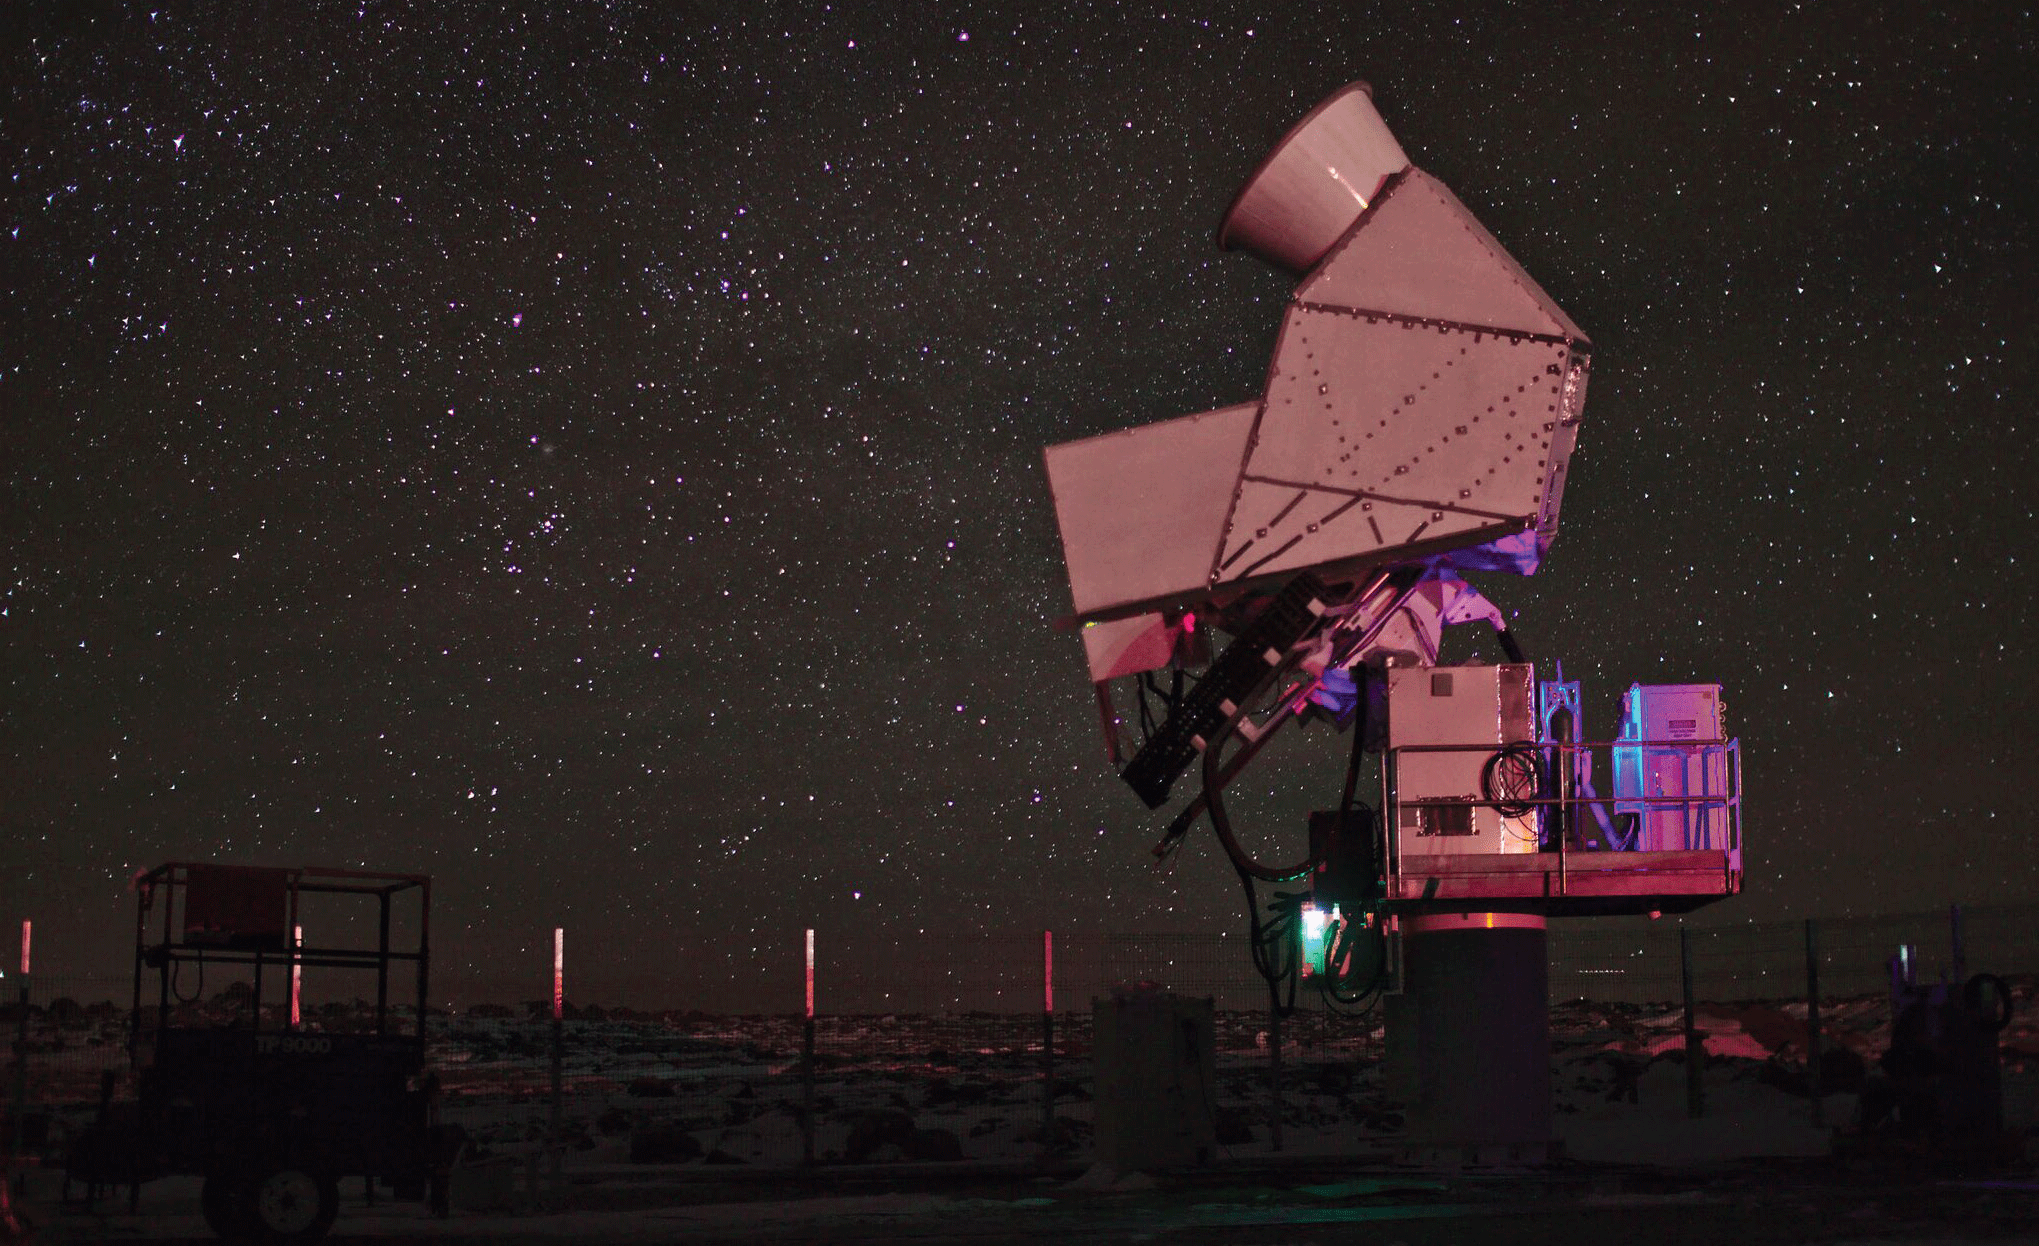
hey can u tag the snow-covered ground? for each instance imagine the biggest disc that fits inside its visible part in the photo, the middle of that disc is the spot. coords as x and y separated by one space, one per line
725 1090
688 1127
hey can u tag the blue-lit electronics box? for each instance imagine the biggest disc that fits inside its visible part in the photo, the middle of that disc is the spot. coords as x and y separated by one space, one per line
1671 758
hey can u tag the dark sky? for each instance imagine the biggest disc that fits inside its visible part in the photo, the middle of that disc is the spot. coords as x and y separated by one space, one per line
592 453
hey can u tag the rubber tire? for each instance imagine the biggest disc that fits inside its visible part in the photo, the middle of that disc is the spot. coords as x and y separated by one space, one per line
224 1200
287 1204
1986 986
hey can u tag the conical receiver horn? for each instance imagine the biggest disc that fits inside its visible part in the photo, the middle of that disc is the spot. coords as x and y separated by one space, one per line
1315 183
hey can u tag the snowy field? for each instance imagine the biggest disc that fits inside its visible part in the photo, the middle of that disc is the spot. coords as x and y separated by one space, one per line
721 1090
685 1127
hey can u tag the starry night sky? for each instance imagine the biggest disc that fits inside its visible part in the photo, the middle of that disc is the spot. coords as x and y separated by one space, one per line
591 454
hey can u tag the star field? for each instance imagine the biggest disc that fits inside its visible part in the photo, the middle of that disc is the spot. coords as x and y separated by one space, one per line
592 454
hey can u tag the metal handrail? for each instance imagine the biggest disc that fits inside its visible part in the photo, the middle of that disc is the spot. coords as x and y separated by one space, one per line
167 882
1729 801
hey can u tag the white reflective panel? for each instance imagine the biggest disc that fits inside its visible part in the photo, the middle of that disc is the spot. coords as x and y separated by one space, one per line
1356 532
1141 511
1327 527
1315 182
1447 419
1419 253
1144 642
1259 526
1571 405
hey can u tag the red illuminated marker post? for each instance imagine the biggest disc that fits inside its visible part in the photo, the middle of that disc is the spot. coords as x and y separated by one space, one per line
807 1063
558 972
555 1142
1047 1041
1048 971
20 1063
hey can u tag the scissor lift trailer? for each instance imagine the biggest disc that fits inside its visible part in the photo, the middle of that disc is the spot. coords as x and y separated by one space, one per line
273 1112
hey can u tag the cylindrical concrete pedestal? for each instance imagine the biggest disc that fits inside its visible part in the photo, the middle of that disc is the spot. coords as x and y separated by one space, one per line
1480 988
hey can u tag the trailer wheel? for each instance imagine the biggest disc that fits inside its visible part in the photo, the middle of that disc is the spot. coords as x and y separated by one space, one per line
292 1204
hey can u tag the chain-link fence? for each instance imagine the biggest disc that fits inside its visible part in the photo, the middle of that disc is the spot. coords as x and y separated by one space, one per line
947 1051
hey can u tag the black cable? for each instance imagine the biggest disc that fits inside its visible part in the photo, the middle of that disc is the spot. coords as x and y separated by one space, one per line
1146 712
1275 956
1508 644
1344 999
1505 775
1221 823
176 969
1358 746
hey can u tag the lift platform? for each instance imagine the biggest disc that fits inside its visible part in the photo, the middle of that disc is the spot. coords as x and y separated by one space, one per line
271 1105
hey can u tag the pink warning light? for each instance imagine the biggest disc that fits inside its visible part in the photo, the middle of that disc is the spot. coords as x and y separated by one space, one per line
1188 621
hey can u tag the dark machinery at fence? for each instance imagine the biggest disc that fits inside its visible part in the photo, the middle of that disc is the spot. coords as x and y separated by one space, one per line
1295 558
1940 1076
271 1112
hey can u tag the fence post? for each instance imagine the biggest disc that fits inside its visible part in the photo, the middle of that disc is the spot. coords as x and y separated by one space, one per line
1695 1049
807 1064
1047 1045
1274 1073
1812 1022
555 1160
20 1062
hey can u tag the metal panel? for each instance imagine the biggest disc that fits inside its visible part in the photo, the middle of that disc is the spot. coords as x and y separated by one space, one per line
1115 647
1418 252
1480 706
1649 875
1422 402
1315 182
1326 527
1455 424
1571 405
1264 517
1141 511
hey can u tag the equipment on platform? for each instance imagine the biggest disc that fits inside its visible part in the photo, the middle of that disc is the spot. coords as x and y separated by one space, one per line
1469 770
1673 748
1296 559
237 1086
